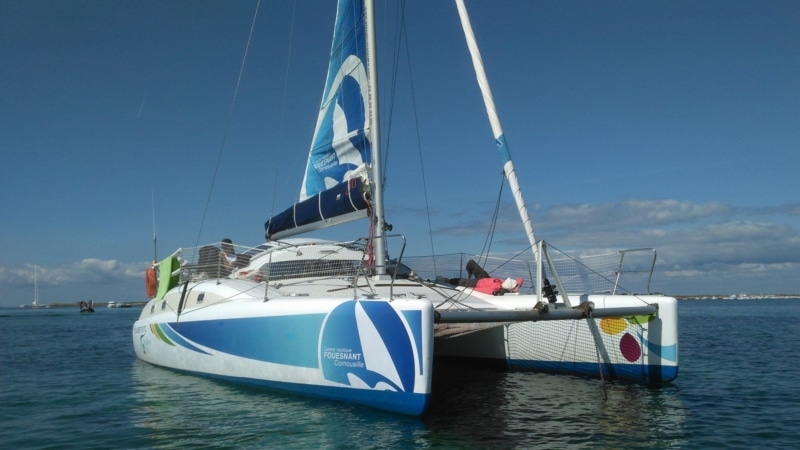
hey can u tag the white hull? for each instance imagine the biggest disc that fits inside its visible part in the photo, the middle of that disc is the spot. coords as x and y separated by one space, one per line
642 348
335 348
119 305
306 319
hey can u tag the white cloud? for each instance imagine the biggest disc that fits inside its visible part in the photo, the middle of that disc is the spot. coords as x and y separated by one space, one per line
702 247
632 213
90 271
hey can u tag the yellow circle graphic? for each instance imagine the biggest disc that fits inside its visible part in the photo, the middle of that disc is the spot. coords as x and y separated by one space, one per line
613 326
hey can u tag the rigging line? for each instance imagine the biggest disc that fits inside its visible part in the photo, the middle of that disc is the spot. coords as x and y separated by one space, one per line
283 109
512 257
419 141
228 123
393 90
400 41
155 247
487 243
594 272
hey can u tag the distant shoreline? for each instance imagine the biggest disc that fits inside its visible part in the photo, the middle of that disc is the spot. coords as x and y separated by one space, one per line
678 297
73 305
739 297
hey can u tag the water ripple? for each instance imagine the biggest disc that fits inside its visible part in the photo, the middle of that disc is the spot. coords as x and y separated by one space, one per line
72 381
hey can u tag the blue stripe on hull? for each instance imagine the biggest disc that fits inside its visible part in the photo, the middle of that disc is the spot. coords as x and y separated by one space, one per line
651 374
289 340
397 402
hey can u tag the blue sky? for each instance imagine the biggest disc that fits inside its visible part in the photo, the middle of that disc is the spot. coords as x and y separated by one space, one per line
666 124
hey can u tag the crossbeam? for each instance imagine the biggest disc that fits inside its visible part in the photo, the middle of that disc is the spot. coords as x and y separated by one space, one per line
580 312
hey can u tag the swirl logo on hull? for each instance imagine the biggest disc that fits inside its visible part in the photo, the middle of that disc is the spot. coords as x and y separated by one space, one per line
367 345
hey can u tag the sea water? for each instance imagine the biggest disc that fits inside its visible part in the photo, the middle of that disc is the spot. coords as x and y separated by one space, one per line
71 380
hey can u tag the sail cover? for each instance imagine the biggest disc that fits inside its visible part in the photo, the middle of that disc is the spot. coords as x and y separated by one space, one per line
340 149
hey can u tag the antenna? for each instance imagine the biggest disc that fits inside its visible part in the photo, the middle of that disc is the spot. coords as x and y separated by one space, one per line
153 203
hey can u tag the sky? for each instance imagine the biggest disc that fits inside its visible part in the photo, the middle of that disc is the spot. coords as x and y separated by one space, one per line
665 124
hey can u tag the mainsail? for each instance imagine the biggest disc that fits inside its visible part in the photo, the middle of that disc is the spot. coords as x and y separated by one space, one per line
335 187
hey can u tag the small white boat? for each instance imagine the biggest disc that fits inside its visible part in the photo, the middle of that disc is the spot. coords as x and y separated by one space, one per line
35 303
113 304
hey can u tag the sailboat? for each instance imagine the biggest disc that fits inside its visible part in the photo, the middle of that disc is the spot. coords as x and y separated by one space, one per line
35 303
347 321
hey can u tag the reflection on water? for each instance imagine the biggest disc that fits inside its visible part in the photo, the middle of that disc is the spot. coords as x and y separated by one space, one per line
472 408
524 410
180 410
71 380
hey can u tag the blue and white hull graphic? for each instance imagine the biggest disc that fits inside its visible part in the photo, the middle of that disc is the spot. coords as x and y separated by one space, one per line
370 352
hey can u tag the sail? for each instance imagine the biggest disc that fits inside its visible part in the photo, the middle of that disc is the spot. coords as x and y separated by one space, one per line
334 188
35 287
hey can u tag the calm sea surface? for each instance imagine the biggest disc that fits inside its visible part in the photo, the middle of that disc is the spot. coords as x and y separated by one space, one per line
71 380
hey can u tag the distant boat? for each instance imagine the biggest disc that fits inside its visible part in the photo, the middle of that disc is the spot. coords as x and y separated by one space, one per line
113 304
87 307
35 303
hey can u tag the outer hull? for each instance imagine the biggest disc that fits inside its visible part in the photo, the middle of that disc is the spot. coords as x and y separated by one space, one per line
642 349
370 352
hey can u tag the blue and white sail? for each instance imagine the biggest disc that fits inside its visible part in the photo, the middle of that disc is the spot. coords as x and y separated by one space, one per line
335 187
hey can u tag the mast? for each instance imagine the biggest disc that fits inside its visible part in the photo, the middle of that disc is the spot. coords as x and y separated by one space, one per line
35 286
497 130
375 139
155 246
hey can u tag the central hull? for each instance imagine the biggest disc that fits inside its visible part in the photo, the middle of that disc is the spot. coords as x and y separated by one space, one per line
370 352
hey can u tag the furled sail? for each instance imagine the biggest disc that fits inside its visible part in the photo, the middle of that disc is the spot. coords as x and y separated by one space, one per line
335 186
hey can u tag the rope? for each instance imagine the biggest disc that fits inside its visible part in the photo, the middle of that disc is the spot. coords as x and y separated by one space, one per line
403 43
419 150
487 243
227 124
600 369
284 99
